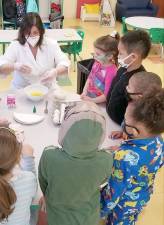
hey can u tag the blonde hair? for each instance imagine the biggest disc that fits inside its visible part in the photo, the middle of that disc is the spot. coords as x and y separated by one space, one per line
10 150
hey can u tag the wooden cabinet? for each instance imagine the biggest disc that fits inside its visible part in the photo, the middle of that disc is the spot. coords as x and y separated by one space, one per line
160 4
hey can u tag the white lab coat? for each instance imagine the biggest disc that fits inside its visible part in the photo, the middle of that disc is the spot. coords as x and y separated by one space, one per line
49 55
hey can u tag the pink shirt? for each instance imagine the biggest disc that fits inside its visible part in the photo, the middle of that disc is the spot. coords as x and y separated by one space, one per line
100 79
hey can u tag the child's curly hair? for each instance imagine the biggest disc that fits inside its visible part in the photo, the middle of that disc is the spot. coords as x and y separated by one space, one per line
149 110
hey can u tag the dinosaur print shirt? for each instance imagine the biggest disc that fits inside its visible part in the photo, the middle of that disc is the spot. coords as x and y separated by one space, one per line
131 184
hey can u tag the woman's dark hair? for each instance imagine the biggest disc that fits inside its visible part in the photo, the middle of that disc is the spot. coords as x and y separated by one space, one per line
149 110
109 45
30 19
10 150
137 41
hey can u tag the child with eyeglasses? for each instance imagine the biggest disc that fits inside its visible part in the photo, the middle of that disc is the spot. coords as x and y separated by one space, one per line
138 85
136 162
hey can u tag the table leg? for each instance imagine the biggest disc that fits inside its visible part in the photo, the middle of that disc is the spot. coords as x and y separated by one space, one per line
3 48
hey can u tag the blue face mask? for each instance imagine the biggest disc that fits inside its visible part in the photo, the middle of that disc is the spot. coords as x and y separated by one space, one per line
124 126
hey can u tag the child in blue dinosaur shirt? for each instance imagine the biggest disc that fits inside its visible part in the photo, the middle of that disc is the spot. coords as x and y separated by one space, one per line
136 162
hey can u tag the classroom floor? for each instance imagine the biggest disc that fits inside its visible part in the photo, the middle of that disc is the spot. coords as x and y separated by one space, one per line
154 212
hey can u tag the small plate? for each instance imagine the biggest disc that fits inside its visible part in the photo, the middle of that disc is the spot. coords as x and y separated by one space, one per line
27 118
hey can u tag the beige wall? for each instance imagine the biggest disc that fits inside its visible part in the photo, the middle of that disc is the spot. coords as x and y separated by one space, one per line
69 8
44 8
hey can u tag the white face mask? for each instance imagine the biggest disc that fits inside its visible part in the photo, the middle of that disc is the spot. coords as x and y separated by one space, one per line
100 58
33 40
122 63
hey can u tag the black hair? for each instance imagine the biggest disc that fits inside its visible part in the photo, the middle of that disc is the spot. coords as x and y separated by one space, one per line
137 41
30 19
149 110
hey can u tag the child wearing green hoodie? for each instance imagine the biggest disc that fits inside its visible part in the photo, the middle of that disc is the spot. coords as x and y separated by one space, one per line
70 176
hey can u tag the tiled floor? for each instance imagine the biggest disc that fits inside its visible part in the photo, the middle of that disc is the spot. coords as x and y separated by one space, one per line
153 214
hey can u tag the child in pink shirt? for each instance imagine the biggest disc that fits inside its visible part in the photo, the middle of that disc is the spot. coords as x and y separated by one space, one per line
103 70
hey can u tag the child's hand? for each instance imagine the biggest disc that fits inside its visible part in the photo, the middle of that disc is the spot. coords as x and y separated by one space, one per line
42 204
116 135
124 136
112 148
4 122
82 95
86 98
27 150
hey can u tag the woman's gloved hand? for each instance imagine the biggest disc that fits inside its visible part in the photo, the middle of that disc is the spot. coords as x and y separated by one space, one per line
22 68
49 76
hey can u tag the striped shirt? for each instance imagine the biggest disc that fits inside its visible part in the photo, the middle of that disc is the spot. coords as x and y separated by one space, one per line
24 184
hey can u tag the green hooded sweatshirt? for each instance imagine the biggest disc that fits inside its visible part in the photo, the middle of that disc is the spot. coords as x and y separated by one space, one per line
70 177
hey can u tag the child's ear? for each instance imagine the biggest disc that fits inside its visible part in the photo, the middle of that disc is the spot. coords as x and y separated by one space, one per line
135 132
134 56
111 59
139 96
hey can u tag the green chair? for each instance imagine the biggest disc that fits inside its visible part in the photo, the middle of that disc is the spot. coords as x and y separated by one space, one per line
74 48
124 27
157 37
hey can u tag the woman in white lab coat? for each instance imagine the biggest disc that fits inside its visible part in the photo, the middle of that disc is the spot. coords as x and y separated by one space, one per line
33 57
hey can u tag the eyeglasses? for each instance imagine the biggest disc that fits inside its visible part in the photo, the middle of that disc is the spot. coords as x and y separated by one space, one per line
124 126
134 93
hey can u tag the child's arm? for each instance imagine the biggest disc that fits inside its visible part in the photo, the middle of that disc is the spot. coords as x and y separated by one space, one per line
117 184
27 162
42 173
99 99
116 135
84 93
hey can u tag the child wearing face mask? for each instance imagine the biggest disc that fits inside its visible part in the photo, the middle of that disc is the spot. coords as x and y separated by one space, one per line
137 161
139 84
103 70
133 47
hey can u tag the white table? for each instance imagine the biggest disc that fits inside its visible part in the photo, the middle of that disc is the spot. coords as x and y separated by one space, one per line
145 22
44 133
61 35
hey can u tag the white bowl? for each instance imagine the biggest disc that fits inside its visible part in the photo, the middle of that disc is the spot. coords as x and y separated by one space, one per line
36 92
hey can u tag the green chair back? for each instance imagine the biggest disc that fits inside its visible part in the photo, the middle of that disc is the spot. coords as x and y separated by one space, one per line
80 43
124 27
74 48
157 35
